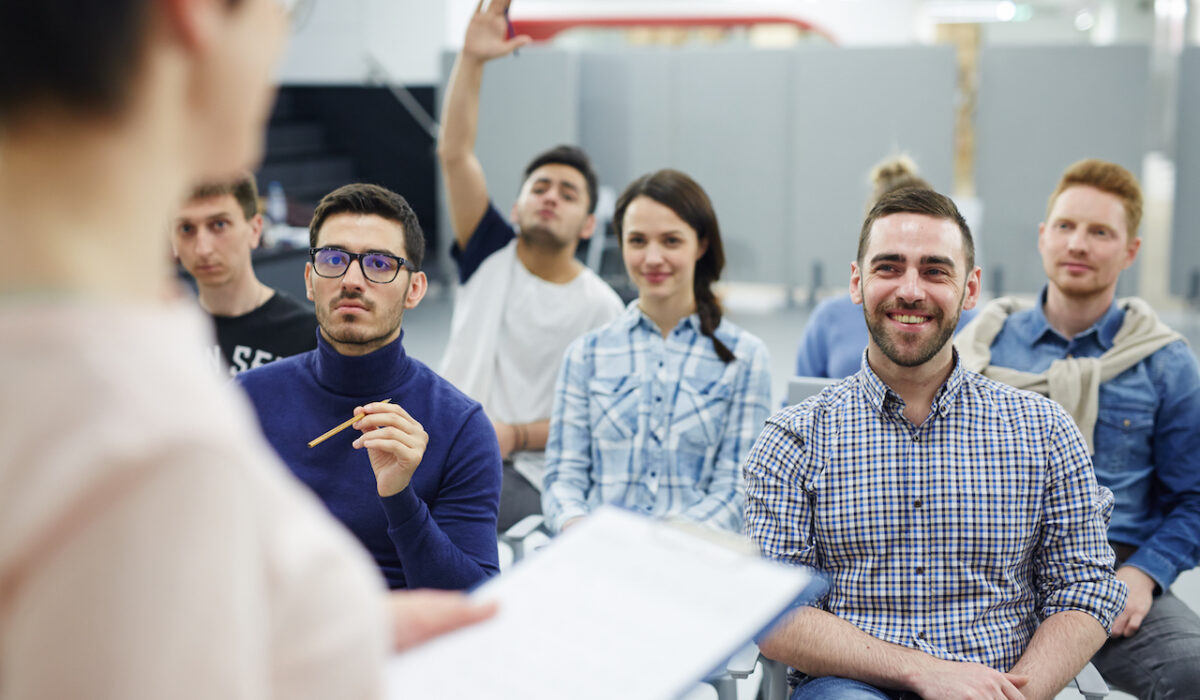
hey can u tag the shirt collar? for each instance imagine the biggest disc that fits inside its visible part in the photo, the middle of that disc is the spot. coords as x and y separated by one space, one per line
879 394
1105 328
635 317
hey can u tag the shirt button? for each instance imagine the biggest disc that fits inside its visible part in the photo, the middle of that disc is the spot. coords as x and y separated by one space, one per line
917 503
920 635
653 475
920 570
916 438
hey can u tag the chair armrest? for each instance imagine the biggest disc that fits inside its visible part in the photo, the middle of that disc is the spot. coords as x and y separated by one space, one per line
742 664
1090 683
524 527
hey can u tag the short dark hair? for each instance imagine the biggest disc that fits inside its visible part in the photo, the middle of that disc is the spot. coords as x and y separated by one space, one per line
917 200
361 198
79 54
243 190
570 156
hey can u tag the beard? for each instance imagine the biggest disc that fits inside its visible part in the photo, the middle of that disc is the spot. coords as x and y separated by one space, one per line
350 330
539 236
904 355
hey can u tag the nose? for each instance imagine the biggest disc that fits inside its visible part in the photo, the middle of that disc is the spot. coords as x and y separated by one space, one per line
1077 241
354 279
911 289
204 245
654 255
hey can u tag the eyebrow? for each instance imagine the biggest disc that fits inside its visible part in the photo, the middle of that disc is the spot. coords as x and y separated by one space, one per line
368 251
562 183
925 260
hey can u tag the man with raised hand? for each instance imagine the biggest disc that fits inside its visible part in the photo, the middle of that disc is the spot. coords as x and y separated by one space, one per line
957 518
522 295
1133 387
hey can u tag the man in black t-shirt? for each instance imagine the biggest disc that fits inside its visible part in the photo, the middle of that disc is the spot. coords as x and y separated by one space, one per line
213 235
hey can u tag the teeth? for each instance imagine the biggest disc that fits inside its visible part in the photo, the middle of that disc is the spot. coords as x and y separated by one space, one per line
910 319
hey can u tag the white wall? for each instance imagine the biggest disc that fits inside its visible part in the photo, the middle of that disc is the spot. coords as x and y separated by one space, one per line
405 36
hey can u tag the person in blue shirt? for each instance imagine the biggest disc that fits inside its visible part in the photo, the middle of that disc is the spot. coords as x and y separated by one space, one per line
836 334
656 410
1133 386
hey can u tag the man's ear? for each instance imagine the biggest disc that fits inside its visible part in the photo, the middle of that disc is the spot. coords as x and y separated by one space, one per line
589 227
417 286
974 286
196 24
308 289
1131 251
855 284
256 229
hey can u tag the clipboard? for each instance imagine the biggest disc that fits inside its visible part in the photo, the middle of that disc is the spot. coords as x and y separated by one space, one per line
619 606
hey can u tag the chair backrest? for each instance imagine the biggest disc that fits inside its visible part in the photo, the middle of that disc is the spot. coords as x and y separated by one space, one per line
800 388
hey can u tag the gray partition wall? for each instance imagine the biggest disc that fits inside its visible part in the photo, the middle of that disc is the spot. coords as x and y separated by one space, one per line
852 109
1039 110
1185 237
781 140
722 116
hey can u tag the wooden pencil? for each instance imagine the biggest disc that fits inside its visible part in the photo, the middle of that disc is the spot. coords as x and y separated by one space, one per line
338 428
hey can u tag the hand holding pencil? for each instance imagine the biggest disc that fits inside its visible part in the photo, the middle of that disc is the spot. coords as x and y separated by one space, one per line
395 442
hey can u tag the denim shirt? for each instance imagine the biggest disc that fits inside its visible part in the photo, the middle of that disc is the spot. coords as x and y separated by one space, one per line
1147 435
658 425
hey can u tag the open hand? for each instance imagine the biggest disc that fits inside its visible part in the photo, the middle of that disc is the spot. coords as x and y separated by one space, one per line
487 33
395 443
418 616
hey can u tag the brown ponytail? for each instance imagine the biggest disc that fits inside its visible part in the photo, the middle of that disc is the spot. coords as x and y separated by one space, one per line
684 196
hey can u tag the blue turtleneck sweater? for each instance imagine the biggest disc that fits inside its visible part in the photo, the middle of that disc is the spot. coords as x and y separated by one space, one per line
440 532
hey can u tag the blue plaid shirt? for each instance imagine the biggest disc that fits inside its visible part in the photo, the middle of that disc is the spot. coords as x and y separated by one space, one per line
955 537
655 424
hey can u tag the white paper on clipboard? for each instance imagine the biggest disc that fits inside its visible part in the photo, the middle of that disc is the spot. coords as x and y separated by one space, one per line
620 606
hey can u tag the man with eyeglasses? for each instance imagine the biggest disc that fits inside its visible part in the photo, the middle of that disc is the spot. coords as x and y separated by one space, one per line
213 236
522 296
417 479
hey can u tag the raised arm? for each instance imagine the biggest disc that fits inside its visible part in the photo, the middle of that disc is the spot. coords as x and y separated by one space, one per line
466 187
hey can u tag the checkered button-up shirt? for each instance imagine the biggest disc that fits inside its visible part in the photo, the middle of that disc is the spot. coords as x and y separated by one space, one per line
954 537
656 424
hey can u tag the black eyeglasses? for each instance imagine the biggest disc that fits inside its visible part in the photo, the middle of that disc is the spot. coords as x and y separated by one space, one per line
379 268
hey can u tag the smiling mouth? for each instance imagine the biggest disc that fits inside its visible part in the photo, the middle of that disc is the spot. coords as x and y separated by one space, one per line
909 319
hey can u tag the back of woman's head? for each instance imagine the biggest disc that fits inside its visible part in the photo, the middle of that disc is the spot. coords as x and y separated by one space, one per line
892 174
684 196
79 54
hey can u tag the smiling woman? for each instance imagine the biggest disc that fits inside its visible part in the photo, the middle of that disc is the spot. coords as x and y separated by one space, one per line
656 410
